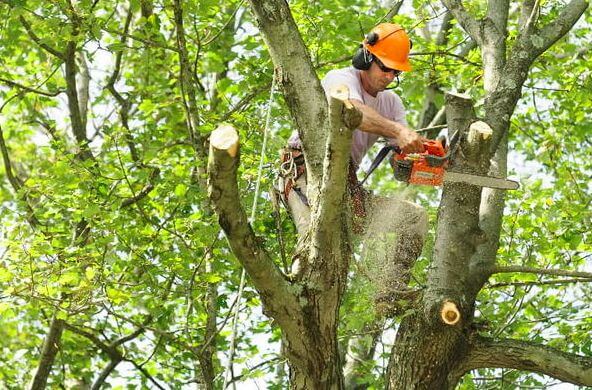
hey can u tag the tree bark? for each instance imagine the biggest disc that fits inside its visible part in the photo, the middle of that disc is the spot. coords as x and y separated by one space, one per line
527 356
48 354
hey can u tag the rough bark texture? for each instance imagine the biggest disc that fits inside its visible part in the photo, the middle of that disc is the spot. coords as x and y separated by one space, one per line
426 348
528 356
302 88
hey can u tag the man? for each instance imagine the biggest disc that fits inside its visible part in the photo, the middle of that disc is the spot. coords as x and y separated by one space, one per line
382 56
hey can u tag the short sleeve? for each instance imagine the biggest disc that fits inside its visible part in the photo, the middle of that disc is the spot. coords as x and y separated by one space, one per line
343 77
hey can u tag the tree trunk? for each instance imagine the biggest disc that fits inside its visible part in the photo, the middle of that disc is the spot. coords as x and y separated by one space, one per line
423 354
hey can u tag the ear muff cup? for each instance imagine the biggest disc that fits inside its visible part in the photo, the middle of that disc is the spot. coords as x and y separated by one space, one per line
372 38
362 59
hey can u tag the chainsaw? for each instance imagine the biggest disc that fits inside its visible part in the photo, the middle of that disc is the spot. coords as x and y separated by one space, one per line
431 167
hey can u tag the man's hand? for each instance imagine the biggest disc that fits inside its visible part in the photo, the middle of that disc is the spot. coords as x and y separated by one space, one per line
409 141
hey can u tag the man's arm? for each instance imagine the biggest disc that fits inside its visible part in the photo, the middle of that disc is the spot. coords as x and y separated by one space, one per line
372 122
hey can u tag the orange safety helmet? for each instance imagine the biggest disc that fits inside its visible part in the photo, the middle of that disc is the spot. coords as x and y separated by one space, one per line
390 43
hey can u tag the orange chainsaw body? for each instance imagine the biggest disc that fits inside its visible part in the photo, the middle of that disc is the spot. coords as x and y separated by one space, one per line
425 168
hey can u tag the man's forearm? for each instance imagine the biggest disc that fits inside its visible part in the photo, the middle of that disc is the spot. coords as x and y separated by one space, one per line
373 122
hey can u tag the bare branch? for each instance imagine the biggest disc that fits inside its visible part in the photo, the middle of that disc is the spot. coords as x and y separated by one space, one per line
295 73
540 283
541 271
344 118
497 12
528 356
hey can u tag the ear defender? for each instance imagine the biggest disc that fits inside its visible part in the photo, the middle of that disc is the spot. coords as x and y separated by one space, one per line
372 38
362 58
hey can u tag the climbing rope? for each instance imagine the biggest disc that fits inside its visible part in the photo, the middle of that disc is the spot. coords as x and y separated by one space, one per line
228 371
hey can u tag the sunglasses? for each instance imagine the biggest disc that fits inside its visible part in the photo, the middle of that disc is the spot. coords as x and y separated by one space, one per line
385 68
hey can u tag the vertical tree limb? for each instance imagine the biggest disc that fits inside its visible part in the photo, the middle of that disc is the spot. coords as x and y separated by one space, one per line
302 89
51 347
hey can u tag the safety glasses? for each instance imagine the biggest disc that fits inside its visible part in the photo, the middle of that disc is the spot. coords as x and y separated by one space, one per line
385 68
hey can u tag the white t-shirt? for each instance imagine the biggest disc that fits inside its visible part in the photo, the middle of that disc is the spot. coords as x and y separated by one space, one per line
386 103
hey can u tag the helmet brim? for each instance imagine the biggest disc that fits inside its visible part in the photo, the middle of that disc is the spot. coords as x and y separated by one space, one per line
397 65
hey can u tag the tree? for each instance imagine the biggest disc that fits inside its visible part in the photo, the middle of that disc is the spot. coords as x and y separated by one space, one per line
112 266
426 354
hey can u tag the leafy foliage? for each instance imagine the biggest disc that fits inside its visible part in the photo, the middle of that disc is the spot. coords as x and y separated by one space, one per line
125 244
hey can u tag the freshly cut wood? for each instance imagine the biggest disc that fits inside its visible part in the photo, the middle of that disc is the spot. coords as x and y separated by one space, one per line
449 313
225 137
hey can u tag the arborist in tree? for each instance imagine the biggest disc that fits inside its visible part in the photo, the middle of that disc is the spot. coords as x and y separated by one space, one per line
382 57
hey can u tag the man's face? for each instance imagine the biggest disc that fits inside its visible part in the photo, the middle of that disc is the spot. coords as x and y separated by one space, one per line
379 76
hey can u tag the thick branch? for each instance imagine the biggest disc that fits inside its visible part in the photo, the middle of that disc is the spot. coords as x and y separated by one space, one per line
553 31
296 74
224 194
497 12
344 118
48 354
468 23
458 232
528 356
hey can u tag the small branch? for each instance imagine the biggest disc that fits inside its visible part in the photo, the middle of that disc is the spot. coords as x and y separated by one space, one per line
541 271
100 381
12 178
30 89
144 192
392 12
230 19
142 40
37 40
540 283
145 373
446 53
